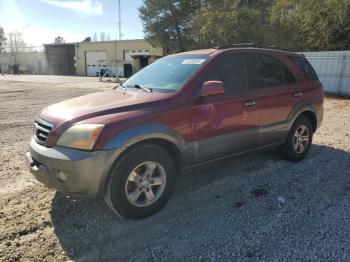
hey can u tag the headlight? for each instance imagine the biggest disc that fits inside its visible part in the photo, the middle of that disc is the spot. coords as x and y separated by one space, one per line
82 136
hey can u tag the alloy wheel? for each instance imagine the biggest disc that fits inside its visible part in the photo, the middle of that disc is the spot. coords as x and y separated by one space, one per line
301 139
145 184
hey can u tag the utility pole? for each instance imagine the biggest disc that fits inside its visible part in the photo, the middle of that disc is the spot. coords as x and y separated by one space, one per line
120 20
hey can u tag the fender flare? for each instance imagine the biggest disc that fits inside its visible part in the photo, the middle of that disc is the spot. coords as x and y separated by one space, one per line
299 109
129 137
139 133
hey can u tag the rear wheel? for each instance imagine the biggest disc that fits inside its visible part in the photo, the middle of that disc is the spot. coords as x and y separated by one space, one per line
299 140
141 182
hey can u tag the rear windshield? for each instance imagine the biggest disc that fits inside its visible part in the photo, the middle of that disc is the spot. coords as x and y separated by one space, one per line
167 74
304 66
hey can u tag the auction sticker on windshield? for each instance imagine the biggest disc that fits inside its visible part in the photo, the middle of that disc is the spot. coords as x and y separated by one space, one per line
193 61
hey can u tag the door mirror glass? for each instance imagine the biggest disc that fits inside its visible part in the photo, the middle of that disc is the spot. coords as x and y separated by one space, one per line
210 88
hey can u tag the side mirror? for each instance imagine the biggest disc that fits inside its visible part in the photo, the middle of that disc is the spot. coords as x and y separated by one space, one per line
210 88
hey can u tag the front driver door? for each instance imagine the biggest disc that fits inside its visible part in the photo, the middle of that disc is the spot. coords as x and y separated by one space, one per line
225 123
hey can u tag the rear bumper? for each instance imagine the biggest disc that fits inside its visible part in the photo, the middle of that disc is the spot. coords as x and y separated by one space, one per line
74 172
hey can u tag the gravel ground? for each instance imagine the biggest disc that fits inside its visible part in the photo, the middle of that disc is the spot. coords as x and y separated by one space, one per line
252 207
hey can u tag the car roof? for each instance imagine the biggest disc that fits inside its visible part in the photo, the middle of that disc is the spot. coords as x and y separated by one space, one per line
214 51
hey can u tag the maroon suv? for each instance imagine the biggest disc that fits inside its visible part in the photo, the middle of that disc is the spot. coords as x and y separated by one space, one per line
130 143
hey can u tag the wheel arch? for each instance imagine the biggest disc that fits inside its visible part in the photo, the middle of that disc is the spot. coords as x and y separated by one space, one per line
167 145
307 110
155 134
312 116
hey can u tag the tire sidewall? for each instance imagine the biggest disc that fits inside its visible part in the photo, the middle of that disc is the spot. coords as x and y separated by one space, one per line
122 169
289 150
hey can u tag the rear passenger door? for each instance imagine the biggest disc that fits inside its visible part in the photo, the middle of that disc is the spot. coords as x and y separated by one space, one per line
277 94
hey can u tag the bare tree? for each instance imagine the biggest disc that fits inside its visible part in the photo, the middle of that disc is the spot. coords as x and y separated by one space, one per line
108 37
15 42
103 36
94 37
59 40
2 38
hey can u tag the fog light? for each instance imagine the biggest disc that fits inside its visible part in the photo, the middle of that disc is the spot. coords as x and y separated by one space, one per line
62 176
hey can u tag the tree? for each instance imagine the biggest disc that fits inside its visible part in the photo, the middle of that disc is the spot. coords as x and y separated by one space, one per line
168 23
2 38
312 24
102 36
59 40
216 23
299 25
15 42
108 37
224 22
94 37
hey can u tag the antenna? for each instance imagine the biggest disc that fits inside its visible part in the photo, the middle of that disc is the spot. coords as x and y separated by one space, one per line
120 20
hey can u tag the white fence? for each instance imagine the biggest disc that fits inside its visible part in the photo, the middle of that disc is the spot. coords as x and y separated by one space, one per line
333 69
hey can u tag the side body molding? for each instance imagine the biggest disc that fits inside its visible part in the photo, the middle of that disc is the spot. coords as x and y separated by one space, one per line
278 132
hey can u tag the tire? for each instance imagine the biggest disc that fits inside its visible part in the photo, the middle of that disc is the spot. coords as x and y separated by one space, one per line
127 195
290 150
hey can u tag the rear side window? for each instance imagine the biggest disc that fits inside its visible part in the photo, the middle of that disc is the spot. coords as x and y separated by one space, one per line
232 70
269 71
304 66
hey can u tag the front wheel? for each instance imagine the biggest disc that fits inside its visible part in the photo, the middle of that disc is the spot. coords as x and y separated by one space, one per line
141 182
299 140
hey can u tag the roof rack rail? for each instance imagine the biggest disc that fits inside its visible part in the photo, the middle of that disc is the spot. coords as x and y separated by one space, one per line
235 45
250 45
277 47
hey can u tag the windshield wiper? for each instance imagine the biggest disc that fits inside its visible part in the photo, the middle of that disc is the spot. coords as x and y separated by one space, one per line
120 85
146 89
149 90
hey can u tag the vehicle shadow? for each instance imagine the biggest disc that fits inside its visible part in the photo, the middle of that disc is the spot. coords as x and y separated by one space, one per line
219 192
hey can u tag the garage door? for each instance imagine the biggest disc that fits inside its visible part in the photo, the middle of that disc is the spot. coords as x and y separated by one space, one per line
4 64
95 61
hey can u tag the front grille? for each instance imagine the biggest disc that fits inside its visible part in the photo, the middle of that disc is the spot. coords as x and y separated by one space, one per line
42 130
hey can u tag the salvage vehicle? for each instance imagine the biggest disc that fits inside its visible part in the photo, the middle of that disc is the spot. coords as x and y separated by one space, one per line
130 144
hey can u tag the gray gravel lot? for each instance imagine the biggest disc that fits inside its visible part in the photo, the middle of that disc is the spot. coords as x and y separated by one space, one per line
252 207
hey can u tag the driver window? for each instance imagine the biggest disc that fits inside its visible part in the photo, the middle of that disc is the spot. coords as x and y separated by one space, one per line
231 69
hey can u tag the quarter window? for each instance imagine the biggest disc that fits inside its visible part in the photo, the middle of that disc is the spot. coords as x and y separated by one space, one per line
304 66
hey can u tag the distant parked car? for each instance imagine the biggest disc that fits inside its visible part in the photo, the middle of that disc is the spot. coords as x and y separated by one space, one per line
129 144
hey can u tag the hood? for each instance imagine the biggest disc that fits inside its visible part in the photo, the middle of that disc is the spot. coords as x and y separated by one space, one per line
97 104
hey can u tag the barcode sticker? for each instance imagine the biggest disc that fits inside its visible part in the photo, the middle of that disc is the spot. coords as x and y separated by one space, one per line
193 61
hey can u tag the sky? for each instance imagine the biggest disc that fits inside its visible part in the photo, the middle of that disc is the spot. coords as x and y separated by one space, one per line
40 21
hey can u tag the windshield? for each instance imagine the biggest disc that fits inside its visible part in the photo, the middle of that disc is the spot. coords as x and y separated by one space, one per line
167 74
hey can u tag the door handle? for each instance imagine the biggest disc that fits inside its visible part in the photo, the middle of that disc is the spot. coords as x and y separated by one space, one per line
249 103
297 94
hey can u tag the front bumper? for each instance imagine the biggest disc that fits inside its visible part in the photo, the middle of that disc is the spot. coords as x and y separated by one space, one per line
73 172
